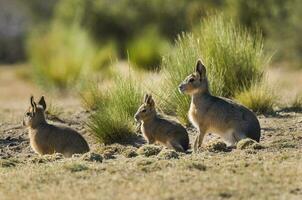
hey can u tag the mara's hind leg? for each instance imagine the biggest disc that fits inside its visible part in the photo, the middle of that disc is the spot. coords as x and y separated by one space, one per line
176 146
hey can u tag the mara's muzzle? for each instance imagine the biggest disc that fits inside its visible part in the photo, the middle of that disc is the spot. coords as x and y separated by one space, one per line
136 117
181 88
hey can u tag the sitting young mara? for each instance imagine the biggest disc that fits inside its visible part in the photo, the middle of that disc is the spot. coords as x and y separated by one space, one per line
157 129
48 139
211 114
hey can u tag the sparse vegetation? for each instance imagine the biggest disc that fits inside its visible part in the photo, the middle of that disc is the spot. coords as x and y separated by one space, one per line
91 95
296 104
143 175
130 152
149 150
216 146
92 157
248 144
234 59
113 119
53 111
168 154
75 167
260 98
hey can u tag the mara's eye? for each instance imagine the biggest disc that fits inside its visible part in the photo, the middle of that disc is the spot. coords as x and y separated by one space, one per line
191 80
144 110
28 114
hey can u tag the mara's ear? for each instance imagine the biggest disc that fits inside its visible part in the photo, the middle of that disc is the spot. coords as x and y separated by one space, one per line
146 96
150 101
33 104
42 102
200 69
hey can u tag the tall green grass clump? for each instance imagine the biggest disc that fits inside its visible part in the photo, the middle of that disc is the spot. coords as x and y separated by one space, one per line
113 122
234 61
176 66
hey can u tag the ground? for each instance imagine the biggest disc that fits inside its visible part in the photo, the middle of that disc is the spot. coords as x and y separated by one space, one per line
272 170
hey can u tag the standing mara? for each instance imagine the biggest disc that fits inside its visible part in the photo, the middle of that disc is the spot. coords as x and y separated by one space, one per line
211 114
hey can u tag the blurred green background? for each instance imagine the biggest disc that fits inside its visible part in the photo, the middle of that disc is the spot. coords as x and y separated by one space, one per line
138 30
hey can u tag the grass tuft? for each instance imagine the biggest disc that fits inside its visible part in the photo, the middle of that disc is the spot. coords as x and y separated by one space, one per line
258 98
248 144
53 112
168 154
149 150
296 104
130 152
216 146
112 122
7 163
92 157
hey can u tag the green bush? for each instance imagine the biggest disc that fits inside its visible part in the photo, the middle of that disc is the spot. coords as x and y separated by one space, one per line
233 58
123 20
145 51
59 57
113 122
105 55
63 56
271 17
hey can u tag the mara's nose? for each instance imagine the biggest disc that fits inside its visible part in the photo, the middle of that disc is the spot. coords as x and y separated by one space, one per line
181 88
136 117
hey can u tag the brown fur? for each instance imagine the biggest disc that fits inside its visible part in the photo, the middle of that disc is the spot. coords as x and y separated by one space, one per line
48 139
157 129
211 114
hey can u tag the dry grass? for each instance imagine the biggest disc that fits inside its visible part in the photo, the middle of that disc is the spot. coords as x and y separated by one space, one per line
260 98
239 175
272 172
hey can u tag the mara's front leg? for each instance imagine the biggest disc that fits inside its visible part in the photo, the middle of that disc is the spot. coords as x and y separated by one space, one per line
199 139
